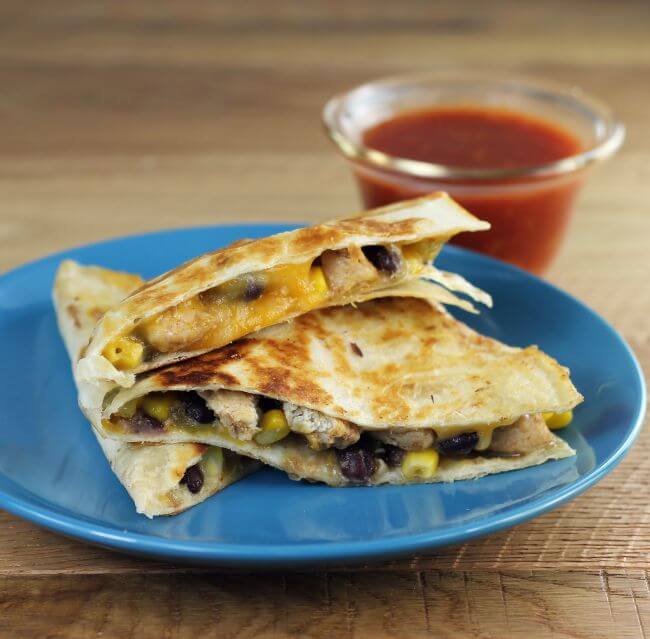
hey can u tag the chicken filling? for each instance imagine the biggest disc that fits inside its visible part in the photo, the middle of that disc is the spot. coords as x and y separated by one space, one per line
222 314
247 417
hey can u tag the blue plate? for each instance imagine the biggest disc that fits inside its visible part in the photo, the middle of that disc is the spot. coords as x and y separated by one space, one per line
53 473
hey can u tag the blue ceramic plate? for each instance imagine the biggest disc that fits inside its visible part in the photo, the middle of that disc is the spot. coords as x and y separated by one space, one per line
53 473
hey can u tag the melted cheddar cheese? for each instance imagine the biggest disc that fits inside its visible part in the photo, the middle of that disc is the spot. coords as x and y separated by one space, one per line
296 288
419 254
484 432
229 311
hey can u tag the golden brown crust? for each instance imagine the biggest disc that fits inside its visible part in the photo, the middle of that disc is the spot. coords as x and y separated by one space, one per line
432 216
420 368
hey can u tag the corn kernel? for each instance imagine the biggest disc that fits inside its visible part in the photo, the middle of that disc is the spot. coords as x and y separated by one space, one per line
556 421
212 462
158 405
420 464
128 410
124 352
274 427
318 281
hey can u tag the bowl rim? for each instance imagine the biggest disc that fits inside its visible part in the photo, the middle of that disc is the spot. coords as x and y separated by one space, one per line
613 130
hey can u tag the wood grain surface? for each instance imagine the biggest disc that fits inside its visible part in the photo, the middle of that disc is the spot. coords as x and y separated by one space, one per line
124 117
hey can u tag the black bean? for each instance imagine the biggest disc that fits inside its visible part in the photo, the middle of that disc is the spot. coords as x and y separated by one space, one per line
196 408
461 444
253 288
268 403
382 258
193 479
393 455
143 423
357 464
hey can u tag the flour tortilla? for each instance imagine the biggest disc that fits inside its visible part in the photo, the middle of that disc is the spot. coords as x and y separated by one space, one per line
434 217
397 363
149 472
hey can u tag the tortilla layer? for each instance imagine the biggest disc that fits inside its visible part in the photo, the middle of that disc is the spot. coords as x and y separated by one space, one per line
396 363
150 473
433 217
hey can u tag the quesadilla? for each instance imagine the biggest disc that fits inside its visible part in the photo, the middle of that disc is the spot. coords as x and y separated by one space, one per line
393 390
223 296
162 479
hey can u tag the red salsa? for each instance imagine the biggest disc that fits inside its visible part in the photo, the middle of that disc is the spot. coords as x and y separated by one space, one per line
528 215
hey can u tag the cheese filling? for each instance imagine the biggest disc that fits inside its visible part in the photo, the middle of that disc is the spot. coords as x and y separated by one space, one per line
254 301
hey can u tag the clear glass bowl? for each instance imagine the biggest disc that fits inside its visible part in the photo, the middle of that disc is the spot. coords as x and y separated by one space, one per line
529 206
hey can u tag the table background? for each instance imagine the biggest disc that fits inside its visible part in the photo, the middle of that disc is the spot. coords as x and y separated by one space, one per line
124 117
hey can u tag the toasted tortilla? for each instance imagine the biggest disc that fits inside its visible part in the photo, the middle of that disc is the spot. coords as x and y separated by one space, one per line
150 472
433 219
396 363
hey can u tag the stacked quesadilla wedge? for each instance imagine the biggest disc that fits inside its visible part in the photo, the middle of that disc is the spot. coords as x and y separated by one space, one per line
223 296
162 479
392 390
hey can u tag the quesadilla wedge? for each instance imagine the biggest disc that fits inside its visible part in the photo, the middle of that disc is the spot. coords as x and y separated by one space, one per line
220 297
391 390
162 479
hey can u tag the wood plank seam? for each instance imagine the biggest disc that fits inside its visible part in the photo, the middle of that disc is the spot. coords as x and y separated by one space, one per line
421 577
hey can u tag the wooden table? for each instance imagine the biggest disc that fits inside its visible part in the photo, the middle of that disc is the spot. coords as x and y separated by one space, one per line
123 117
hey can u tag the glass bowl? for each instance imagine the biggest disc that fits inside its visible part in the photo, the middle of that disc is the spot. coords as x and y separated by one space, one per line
529 207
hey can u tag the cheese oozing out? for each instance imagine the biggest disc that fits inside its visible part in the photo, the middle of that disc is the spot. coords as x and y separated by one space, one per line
246 304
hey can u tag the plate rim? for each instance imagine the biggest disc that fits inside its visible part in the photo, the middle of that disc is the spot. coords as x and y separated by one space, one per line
53 518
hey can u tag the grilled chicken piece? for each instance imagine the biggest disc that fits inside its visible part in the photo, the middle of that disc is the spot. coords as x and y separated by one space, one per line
528 433
238 412
177 326
346 268
406 439
321 431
